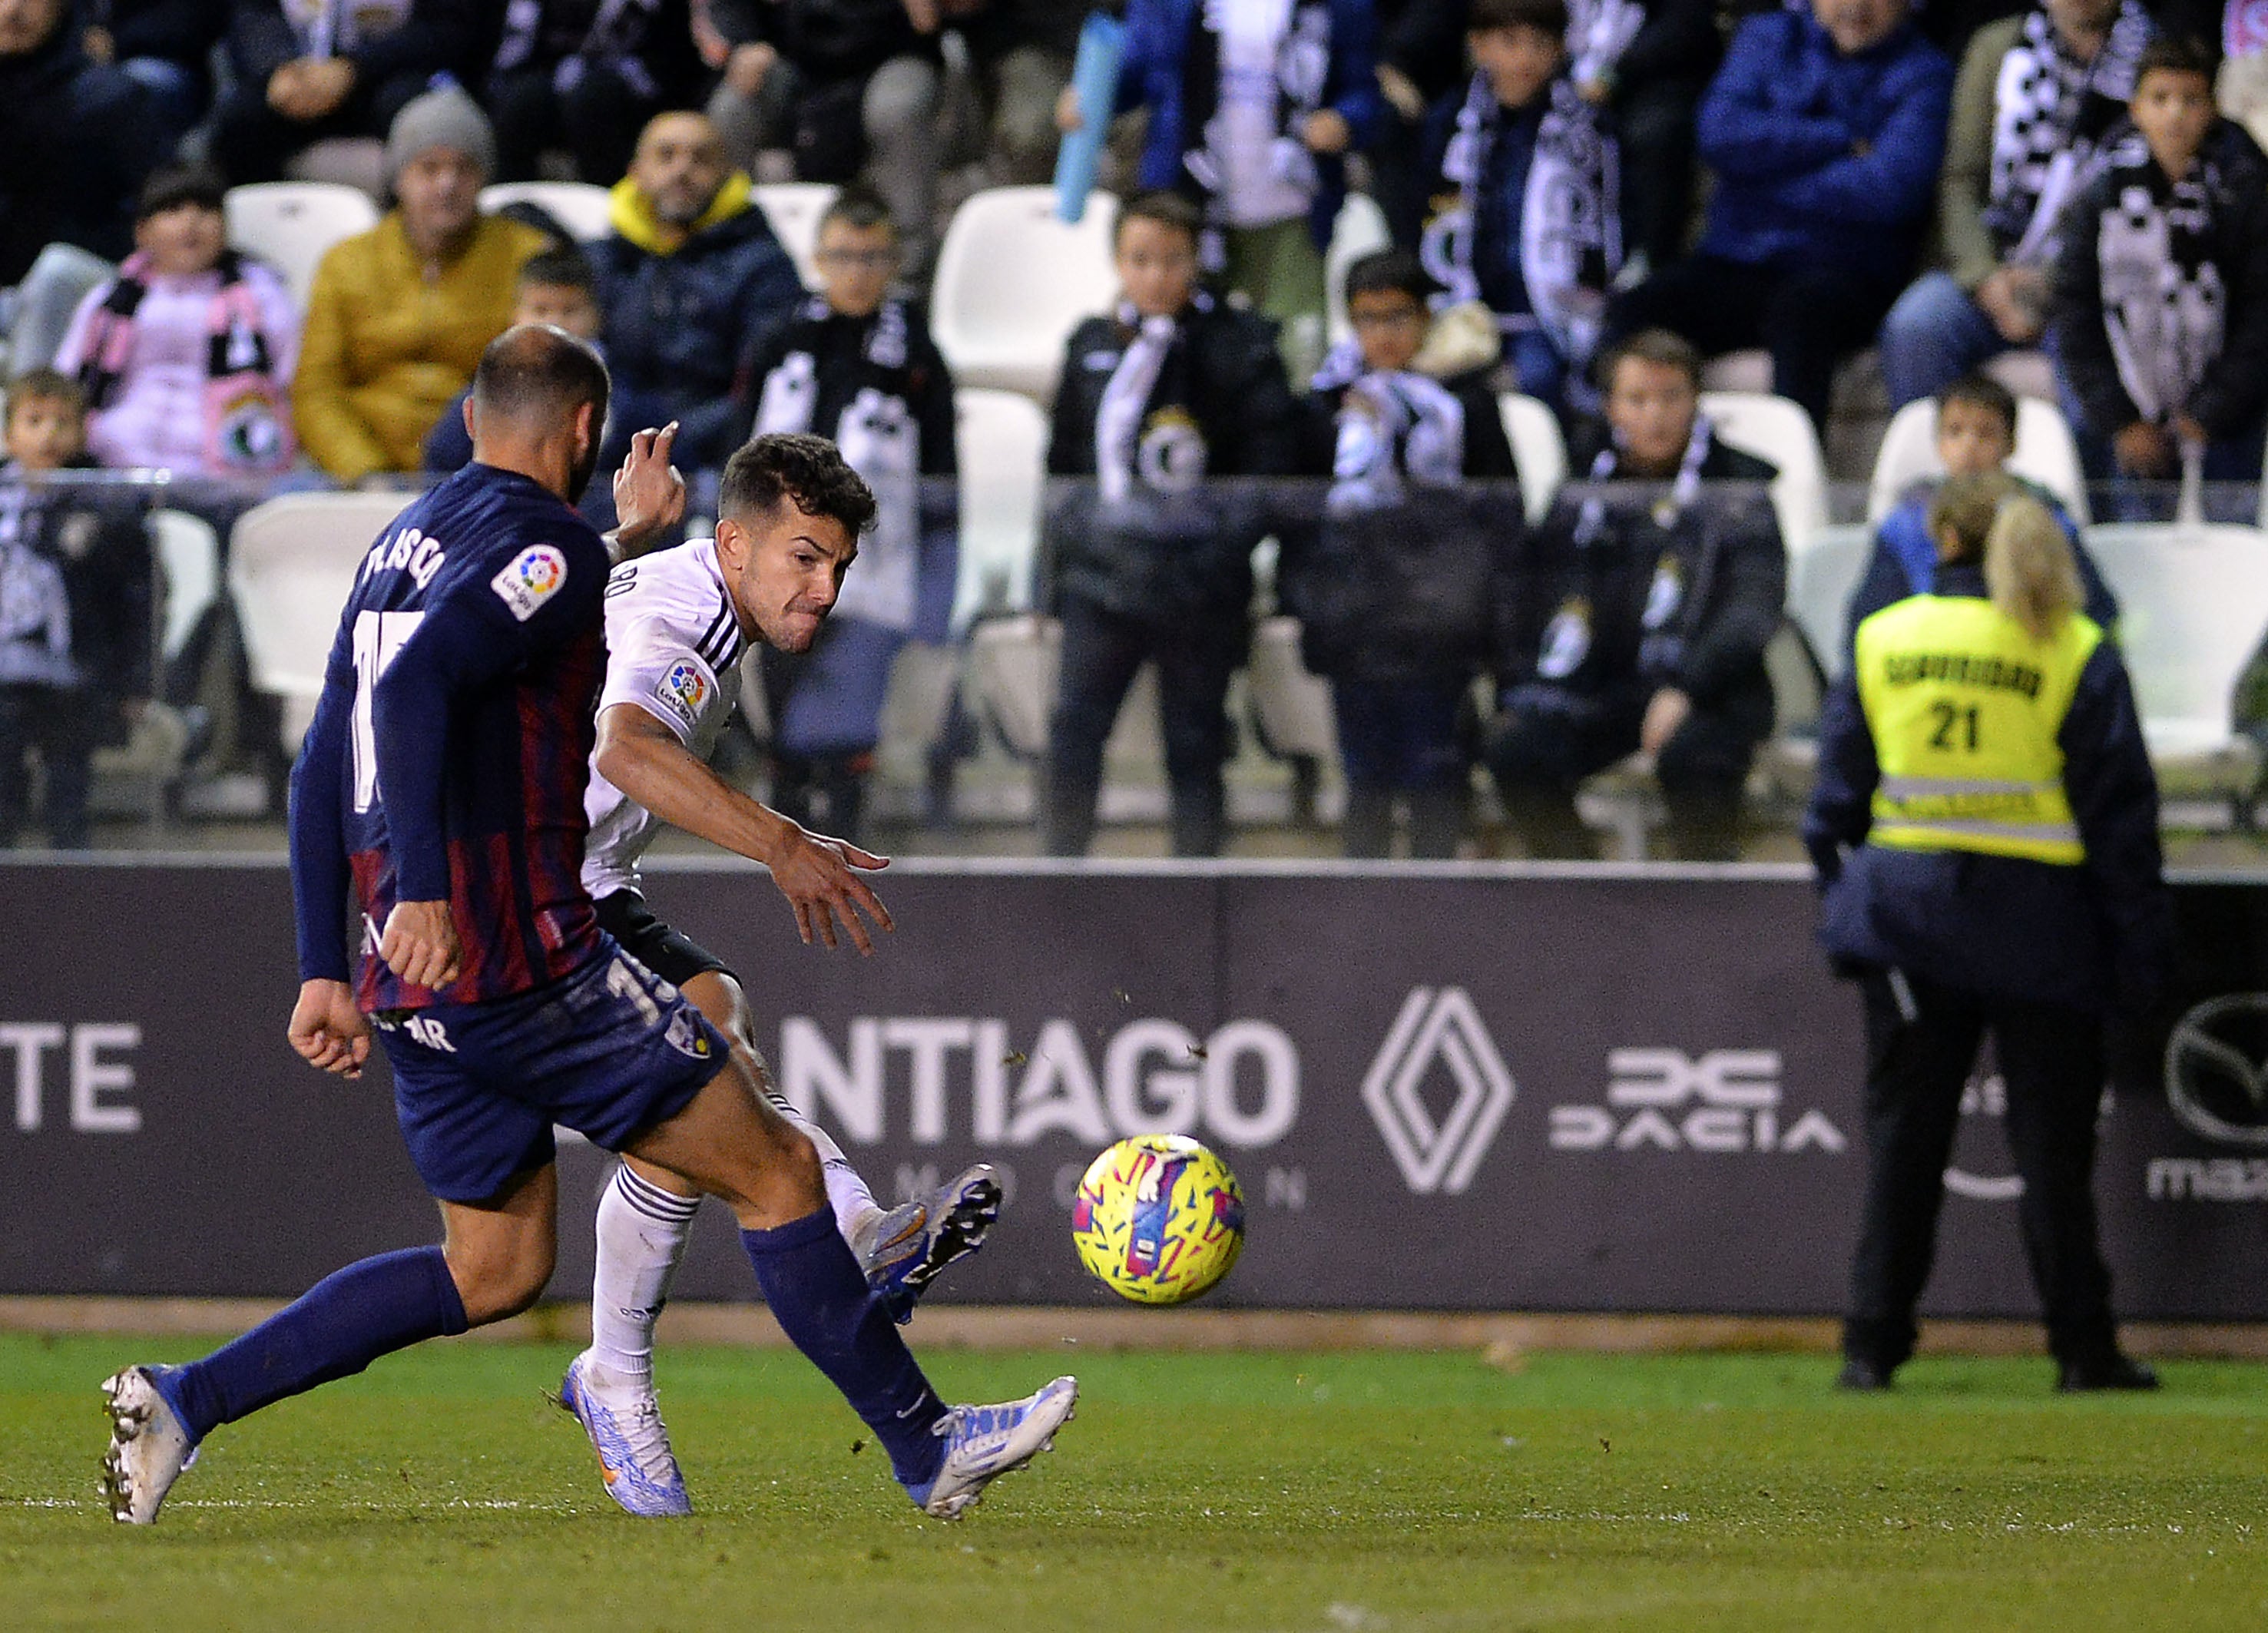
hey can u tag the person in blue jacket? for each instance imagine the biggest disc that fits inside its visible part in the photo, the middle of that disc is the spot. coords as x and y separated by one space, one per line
1985 829
1976 435
1824 129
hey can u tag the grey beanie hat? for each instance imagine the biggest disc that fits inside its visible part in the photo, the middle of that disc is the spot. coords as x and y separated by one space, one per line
447 117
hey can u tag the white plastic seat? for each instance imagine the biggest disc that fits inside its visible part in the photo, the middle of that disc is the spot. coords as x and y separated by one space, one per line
1013 665
1291 703
1539 452
1012 282
2029 374
1359 231
795 208
1002 440
580 207
2193 606
291 565
1821 578
291 225
1775 429
2045 454
188 556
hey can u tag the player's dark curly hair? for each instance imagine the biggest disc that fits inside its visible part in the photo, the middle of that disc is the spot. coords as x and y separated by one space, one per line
793 465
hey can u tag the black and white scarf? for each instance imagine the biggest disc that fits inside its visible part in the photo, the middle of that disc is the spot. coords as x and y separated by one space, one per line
2164 300
2049 113
616 37
1598 32
1570 224
1303 61
1394 429
1163 450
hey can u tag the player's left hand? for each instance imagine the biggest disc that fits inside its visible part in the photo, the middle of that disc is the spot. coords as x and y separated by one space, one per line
420 943
327 1030
815 874
649 490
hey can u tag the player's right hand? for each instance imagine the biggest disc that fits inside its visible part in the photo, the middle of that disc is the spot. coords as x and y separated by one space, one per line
420 943
815 874
329 1032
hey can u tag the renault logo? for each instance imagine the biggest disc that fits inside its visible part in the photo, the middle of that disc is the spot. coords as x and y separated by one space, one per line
1438 1029
2216 1069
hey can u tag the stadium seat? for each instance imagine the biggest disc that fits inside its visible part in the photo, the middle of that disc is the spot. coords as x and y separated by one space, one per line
1002 440
1821 577
1359 230
1539 452
1012 669
2045 453
1290 704
189 559
2027 373
1774 429
580 207
292 563
292 224
795 208
1012 282
2193 603
357 162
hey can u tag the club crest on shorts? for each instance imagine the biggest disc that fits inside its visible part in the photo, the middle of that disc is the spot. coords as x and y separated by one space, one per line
533 577
686 1037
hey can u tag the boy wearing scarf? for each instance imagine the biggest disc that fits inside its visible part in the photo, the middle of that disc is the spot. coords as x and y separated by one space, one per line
2161 297
1392 588
1149 556
2035 95
857 365
1526 218
1638 620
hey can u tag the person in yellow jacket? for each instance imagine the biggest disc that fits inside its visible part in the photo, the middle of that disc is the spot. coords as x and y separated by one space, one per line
398 315
1985 831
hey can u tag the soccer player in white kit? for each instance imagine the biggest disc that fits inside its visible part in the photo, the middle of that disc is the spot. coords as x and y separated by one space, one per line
677 622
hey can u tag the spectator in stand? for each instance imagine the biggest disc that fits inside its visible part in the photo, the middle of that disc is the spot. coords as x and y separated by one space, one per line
859 367
77 139
2161 297
1638 621
76 638
186 357
1392 594
1021 51
1648 62
1254 107
165 47
305 72
1824 129
1975 436
1421 59
558 287
2036 94
690 273
398 315
587 76
847 85
1150 556
1527 212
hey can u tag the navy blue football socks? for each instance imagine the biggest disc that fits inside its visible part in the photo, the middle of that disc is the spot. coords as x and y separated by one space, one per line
340 1326
821 1301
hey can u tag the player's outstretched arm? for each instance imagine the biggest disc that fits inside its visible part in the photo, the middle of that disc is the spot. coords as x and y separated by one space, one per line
648 493
819 876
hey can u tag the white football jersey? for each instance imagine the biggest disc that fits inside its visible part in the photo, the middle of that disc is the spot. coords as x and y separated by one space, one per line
673 649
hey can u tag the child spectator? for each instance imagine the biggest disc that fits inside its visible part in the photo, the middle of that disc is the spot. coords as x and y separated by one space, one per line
1151 558
1526 219
558 287
1975 436
186 357
2160 297
75 637
1254 106
858 365
1392 594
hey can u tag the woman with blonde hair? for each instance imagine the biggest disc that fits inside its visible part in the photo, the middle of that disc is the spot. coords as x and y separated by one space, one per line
1985 831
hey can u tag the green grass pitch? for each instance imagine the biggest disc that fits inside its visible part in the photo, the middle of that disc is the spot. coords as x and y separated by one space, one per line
1259 1491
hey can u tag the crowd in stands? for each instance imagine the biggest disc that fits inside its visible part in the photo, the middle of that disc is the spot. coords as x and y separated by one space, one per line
1942 182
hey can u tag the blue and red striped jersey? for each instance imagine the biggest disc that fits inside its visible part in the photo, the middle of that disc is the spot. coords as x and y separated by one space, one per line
458 712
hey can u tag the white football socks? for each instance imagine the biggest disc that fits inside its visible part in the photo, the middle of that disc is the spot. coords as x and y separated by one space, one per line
846 1192
642 1234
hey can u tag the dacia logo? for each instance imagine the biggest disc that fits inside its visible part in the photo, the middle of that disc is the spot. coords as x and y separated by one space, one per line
1725 1100
1437 1029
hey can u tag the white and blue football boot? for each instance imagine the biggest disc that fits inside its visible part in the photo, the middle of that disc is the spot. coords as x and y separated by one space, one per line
148 1447
956 1218
885 1243
982 1443
625 1428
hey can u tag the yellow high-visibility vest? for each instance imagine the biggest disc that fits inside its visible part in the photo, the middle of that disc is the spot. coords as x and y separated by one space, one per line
1964 707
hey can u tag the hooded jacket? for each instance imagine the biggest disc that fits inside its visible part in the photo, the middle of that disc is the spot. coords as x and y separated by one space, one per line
679 320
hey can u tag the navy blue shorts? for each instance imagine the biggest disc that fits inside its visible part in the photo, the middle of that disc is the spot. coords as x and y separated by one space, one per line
609 1052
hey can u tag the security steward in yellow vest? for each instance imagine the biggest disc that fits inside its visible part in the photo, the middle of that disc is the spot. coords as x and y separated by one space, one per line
1985 831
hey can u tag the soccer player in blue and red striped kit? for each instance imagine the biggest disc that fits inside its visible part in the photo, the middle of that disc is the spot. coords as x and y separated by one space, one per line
442 785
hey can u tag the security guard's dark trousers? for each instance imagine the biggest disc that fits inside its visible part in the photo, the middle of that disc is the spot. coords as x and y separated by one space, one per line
2051 1059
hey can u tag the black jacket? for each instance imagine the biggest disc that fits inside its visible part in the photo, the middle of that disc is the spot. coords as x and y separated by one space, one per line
1592 565
2079 937
824 39
76 141
178 31
1168 555
97 535
1400 591
438 36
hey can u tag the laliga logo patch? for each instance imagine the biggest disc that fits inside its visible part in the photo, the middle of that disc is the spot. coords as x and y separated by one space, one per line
533 577
685 690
